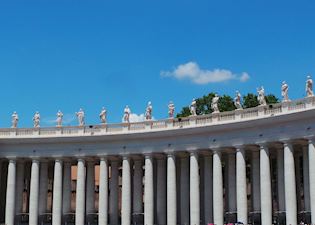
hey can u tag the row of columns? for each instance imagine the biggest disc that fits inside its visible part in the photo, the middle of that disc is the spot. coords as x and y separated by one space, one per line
213 168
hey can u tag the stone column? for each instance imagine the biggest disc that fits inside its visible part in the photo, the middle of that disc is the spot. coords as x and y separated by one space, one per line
67 188
43 188
306 180
57 193
126 192
148 191
184 190
19 187
34 193
90 187
103 193
289 185
138 187
161 191
194 190
10 198
311 160
265 186
171 190
80 195
241 186
208 187
217 189
231 174
113 197
255 180
280 180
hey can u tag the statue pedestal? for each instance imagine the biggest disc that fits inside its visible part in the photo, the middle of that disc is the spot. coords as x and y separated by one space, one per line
261 110
215 117
238 114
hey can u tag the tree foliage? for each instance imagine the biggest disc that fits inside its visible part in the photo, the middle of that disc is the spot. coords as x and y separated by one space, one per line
226 103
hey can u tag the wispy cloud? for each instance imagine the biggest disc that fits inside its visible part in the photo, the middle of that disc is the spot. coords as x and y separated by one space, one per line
136 118
51 121
191 71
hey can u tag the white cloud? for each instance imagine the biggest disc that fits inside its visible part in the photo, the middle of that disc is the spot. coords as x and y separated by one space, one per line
136 118
66 121
195 74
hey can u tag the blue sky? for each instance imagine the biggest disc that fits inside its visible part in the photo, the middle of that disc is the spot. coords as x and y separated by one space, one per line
71 54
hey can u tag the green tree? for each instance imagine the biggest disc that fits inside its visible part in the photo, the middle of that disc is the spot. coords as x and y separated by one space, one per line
250 100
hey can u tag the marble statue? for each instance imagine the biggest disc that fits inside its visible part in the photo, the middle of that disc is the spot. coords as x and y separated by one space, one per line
171 109
59 118
309 87
237 100
284 92
127 113
103 115
214 103
81 117
261 96
36 119
15 119
193 108
148 111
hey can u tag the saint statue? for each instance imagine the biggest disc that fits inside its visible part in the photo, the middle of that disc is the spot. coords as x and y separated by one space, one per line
171 109
261 96
36 119
237 100
127 113
284 92
59 118
193 108
148 111
81 116
309 87
15 119
103 115
215 103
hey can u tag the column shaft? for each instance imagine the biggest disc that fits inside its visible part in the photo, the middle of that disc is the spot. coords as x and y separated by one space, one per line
311 160
57 194
103 193
265 186
194 190
208 187
138 187
126 193
67 179
113 197
217 189
80 195
148 192
34 193
289 187
10 198
171 190
161 192
241 186
90 188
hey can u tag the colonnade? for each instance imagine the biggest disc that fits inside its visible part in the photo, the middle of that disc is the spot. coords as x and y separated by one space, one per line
192 187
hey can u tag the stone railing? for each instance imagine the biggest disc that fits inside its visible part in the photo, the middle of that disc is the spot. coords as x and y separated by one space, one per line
166 124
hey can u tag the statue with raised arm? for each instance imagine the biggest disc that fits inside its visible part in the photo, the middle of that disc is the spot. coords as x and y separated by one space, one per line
261 96
148 111
237 100
59 118
193 108
284 92
171 110
36 119
127 113
309 87
15 120
103 115
215 104
81 117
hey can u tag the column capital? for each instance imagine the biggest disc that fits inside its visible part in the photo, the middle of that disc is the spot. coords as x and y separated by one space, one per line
170 154
58 160
148 156
103 158
35 160
81 160
193 153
